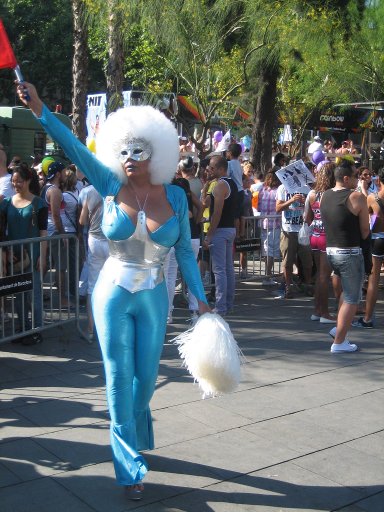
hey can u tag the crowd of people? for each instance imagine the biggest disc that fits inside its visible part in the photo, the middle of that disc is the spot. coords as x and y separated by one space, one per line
142 209
326 231
222 192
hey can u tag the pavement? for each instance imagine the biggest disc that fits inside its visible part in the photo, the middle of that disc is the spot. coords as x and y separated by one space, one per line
303 432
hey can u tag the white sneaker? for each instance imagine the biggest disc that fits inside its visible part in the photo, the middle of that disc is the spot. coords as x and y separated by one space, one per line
314 318
346 346
332 332
324 320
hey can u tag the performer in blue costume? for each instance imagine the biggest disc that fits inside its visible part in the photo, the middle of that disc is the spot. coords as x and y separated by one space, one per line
144 216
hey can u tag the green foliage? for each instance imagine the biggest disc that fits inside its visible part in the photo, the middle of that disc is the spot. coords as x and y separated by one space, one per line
194 37
326 51
362 62
144 67
312 43
41 35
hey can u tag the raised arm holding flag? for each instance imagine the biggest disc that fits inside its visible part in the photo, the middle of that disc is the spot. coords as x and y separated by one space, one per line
7 57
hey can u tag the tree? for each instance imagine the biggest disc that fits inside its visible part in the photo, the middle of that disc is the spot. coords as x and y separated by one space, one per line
202 48
41 35
264 117
114 70
304 42
111 21
361 62
79 70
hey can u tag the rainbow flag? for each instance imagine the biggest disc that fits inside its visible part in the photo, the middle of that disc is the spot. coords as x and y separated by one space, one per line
242 113
191 107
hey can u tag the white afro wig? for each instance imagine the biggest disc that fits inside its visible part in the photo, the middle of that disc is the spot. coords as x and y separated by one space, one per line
146 123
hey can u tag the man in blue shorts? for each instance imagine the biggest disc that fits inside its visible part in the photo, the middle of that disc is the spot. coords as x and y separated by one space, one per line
345 216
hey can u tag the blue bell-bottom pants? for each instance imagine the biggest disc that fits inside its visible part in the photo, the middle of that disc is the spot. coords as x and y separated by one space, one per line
131 329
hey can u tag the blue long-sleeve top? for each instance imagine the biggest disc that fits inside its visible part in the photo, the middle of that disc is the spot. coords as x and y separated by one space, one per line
174 232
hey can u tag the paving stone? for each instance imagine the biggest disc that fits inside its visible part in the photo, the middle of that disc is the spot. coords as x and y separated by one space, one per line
78 447
10 400
176 427
60 413
339 465
304 431
245 451
348 414
96 486
41 387
28 460
82 380
311 436
371 504
43 495
371 444
175 392
15 426
7 478
256 405
210 413
96 401
282 488
9 374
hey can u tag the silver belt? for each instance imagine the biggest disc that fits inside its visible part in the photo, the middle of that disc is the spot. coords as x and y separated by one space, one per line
134 277
334 251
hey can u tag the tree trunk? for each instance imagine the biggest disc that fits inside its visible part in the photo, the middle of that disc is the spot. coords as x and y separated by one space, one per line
79 70
114 71
264 118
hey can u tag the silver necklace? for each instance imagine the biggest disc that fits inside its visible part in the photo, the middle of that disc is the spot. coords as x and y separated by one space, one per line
141 207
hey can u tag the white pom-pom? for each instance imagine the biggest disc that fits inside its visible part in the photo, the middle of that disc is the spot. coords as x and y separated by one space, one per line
211 355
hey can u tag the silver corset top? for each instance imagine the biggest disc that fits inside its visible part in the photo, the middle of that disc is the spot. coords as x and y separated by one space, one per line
137 262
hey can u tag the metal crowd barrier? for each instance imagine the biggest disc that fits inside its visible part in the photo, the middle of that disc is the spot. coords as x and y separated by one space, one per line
253 244
30 300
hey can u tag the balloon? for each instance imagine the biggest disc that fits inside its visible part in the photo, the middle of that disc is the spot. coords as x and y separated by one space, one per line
318 156
218 136
247 142
91 145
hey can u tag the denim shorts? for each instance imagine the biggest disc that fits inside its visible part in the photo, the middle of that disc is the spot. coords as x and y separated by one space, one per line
350 268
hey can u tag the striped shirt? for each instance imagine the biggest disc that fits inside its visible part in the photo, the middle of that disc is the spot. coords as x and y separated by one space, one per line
267 206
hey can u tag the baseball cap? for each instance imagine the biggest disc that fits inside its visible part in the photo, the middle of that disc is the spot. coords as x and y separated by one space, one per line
54 168
46 162
317 138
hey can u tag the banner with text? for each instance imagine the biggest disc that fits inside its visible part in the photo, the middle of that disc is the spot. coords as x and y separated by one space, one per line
294 176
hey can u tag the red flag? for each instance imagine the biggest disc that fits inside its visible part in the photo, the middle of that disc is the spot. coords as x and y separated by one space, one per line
7 57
